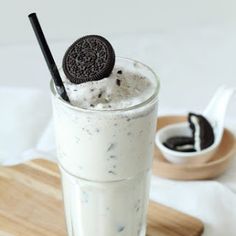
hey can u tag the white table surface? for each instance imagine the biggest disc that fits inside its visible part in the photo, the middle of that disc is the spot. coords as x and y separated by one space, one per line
191 65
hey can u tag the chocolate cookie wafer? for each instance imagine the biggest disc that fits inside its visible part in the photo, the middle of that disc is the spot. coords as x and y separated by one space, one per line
89 58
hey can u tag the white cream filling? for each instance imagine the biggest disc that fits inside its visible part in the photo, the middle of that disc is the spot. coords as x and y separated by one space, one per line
184 147
197 140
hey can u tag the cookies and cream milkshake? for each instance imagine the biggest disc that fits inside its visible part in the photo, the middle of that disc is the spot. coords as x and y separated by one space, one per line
105 141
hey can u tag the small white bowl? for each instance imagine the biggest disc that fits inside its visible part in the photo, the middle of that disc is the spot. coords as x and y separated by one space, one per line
182 157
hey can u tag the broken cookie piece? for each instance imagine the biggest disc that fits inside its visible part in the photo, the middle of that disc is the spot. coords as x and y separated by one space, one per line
202 130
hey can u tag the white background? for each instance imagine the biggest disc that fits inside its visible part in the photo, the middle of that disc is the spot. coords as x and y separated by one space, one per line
63 19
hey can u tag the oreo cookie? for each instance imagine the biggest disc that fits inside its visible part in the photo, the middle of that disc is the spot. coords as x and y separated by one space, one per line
89 58
180 143
202 131
202 136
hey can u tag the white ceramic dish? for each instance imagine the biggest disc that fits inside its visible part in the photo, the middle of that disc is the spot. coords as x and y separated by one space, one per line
215 113
182 129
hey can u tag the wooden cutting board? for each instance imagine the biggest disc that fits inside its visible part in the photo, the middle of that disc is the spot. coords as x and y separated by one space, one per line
31 205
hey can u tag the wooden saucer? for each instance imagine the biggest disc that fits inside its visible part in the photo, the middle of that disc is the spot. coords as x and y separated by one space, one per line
215 167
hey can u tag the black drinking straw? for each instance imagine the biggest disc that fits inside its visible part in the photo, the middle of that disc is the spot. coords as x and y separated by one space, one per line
48 56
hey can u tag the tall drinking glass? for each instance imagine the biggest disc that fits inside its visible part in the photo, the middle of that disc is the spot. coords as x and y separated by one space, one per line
105 158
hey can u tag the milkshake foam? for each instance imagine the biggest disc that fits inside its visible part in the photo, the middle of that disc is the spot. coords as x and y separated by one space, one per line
122 89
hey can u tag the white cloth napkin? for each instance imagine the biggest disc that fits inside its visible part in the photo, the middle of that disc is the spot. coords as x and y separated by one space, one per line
191 67
25 126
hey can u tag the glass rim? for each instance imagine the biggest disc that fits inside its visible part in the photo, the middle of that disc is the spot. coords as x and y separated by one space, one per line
153 97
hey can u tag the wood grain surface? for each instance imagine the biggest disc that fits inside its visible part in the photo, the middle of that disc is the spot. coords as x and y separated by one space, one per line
31 205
